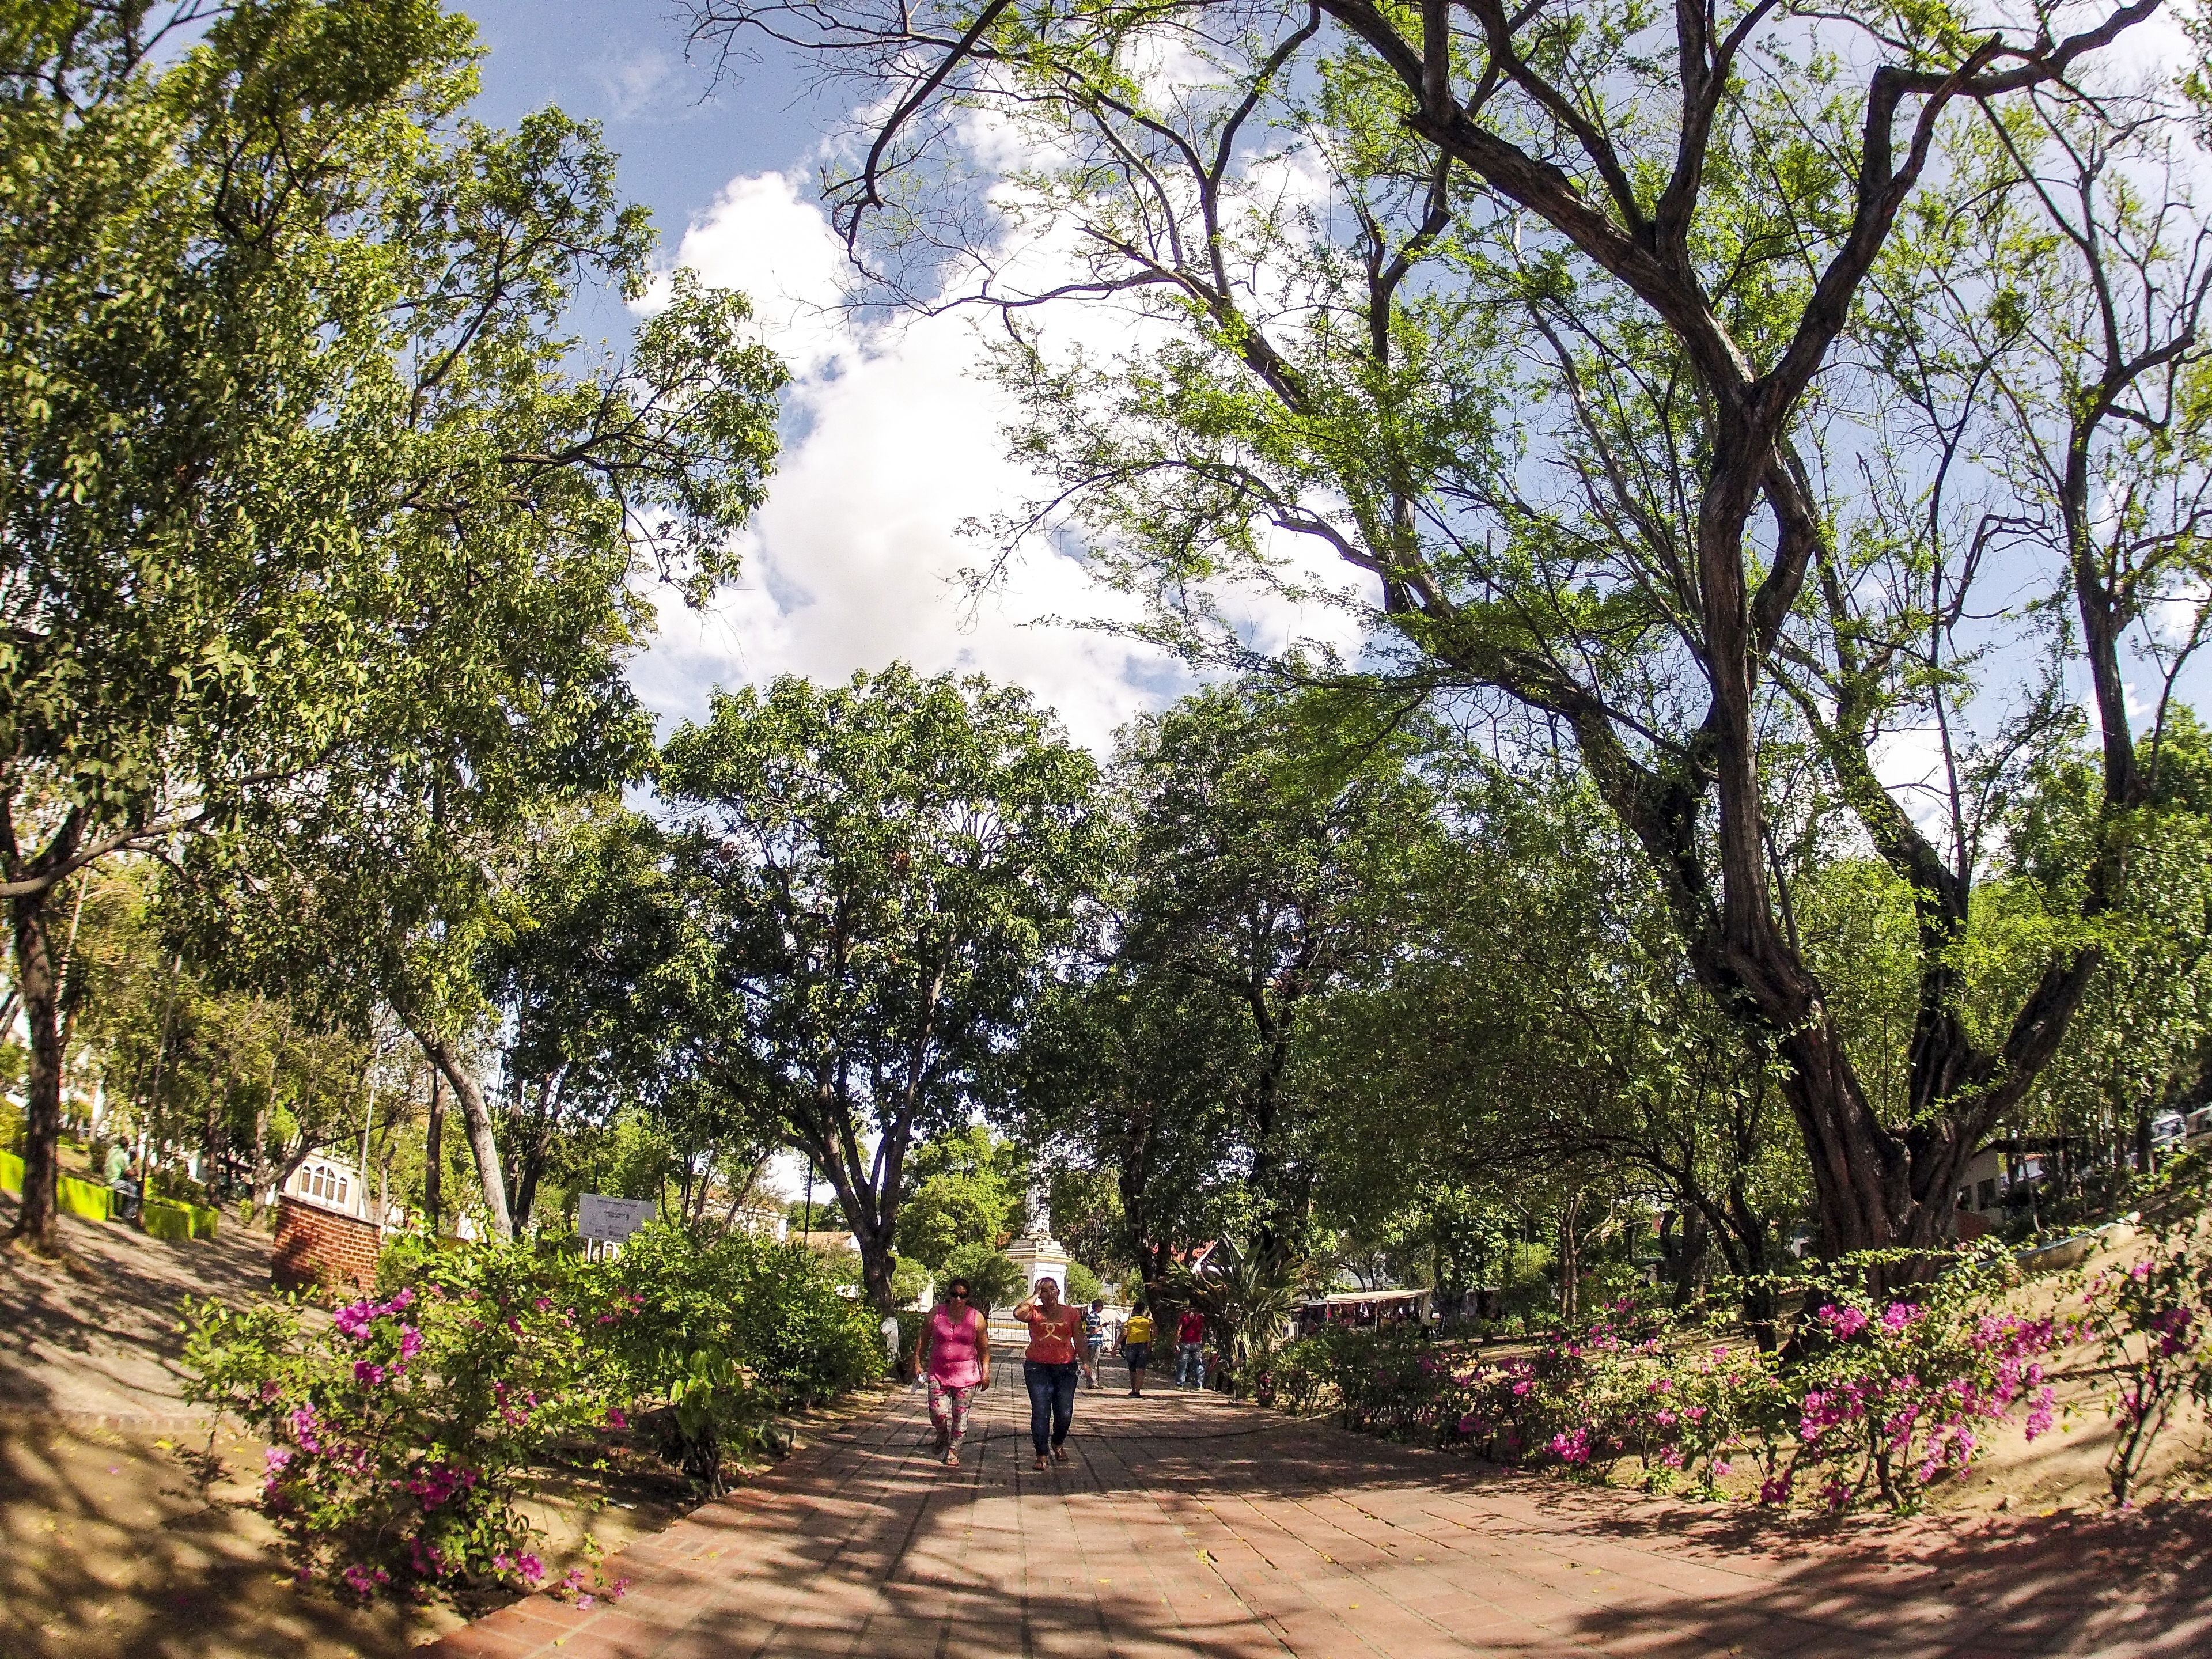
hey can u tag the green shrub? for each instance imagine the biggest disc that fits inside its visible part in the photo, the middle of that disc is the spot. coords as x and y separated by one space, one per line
727 1330
177 1186
773 1309
401 1433
911 1320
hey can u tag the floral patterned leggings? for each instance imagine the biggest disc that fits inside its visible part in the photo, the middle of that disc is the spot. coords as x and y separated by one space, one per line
948 1411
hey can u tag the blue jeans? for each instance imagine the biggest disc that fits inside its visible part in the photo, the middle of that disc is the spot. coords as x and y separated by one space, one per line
1189 1373
1052 1401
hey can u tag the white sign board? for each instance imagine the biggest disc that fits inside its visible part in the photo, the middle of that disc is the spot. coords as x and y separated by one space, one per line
599 1217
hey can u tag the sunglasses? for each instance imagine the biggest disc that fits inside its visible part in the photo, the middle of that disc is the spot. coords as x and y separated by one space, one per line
962 1295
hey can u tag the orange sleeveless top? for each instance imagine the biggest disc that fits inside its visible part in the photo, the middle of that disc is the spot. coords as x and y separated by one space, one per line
1052 1336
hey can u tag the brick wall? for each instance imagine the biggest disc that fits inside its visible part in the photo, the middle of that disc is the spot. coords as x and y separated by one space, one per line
320 1247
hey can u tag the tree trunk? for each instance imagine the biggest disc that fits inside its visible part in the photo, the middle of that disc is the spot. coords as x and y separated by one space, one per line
476 1116
263 1195
213 1141
1570 1266
1684 1256
876 1264
42 1083
257 1180
434 1153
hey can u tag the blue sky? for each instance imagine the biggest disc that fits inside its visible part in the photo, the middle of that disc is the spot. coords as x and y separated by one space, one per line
623 65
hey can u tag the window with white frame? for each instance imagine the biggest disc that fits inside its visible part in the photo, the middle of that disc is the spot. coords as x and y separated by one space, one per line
329 1185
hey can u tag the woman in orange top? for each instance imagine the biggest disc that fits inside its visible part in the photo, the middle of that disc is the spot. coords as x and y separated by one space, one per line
1049 1367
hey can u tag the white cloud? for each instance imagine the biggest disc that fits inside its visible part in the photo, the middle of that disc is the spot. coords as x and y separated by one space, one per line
1909 761
641 82
893 441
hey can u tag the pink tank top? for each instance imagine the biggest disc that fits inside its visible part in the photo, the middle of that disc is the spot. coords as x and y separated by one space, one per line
955 1347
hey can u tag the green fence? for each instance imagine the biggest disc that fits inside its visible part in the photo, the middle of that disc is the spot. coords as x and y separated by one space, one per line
164 1218
75 1195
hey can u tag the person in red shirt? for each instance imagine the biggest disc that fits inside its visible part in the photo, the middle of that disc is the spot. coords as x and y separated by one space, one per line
1049 1367
1190 1346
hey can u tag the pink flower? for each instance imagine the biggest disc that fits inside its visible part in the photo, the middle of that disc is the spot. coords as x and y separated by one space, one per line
368 1374
1844 1323
530 1567
1896 1316
615 1419
276 1458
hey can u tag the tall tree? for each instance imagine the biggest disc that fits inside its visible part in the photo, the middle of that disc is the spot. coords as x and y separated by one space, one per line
1126 1073
1688 380
1272 860
586 923
318 545
885 872
963 1187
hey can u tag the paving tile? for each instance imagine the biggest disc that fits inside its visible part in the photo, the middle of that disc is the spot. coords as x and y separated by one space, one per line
1188 1525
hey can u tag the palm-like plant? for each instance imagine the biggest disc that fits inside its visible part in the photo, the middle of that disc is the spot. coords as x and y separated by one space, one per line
1254 1308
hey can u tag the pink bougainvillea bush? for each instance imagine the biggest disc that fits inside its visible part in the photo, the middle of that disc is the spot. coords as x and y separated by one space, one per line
404 1431
1894 1392
1874 1399
2149 1319
400 1432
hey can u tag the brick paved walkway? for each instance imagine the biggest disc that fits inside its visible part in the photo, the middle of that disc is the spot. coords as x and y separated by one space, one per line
1187 1524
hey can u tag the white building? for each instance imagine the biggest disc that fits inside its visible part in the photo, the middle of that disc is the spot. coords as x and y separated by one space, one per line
333 1184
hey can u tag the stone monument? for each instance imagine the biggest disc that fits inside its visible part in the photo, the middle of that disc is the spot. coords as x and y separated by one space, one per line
1038 1255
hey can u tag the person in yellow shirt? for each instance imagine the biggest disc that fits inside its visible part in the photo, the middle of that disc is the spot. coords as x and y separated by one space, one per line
1137 1347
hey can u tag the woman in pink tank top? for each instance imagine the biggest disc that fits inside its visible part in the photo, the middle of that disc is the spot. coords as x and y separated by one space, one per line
954 1353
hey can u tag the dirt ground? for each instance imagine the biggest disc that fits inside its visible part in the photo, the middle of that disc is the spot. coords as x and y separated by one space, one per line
119 1543
95 1335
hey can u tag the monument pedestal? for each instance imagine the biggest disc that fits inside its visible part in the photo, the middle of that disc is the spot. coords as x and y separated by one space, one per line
1038 1258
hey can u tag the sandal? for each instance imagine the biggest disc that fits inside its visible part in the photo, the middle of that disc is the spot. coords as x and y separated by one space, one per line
1041 1462
952 1459
1059 1454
